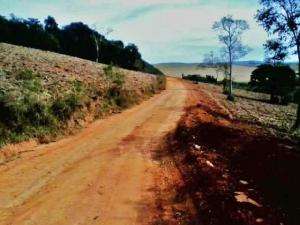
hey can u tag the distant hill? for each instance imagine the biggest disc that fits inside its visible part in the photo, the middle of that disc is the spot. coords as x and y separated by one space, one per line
241 70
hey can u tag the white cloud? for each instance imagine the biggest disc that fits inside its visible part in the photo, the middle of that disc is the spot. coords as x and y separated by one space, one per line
164 30
185 32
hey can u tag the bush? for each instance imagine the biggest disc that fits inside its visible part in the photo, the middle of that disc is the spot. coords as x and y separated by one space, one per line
279 81
115 76
64 106
28 110
161 82
25 107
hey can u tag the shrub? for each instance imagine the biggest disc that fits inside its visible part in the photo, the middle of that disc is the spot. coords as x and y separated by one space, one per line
115 76
64 106
27 109
161 82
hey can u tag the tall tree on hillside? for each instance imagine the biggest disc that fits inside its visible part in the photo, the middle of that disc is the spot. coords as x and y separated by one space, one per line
51 26
281 19
77 40
230 31
98 39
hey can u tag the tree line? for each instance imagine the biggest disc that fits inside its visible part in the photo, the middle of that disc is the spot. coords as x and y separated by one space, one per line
75 39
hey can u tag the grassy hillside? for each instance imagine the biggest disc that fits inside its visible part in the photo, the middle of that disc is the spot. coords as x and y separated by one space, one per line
44 94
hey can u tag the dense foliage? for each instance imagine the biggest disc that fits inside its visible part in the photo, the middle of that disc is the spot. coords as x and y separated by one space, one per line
198 78
279 81
281 19
76 39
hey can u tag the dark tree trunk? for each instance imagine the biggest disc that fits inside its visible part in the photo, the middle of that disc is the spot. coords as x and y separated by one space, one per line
97 47
297 123
230 95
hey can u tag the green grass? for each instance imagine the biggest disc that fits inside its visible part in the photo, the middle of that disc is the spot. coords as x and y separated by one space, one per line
28 109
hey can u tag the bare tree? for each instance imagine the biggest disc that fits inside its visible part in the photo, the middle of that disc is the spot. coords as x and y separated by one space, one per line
281 19
209 59
98 39
212 60
230 32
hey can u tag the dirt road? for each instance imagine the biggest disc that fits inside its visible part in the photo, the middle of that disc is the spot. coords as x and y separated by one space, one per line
106 174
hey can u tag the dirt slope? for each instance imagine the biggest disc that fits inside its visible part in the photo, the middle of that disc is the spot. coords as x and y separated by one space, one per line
67 91
58 69
104 175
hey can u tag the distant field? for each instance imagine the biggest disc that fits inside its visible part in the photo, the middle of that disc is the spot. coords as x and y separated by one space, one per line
241 73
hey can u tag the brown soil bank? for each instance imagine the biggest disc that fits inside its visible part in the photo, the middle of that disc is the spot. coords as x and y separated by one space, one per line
42 92
234 172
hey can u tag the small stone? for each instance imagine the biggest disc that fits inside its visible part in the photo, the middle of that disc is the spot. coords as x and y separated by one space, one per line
96 217
210 164
259 220
243 182
197 147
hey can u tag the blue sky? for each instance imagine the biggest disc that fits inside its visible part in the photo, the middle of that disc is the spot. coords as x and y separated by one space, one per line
164 30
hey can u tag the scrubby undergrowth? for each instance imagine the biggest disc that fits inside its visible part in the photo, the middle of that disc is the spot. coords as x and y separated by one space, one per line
31 107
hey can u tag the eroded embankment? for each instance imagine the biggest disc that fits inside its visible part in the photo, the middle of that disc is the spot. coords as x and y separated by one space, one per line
232 172
44 95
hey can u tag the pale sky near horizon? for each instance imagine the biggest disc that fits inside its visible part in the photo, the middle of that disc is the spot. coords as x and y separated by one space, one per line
164 30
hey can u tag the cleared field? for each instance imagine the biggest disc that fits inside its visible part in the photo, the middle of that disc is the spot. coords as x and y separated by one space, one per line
254 108
59 69
240 73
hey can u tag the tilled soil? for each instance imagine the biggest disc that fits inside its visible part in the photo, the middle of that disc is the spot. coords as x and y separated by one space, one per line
236 173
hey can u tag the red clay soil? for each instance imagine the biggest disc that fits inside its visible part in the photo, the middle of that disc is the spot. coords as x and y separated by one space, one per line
234 173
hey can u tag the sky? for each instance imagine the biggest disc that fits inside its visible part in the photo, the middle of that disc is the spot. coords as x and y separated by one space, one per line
163 30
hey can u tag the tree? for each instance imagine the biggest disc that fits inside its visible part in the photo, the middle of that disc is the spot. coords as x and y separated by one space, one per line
277 80
131 56
281 19
230 31
76 39
51 26
212 60
275 52
98 39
